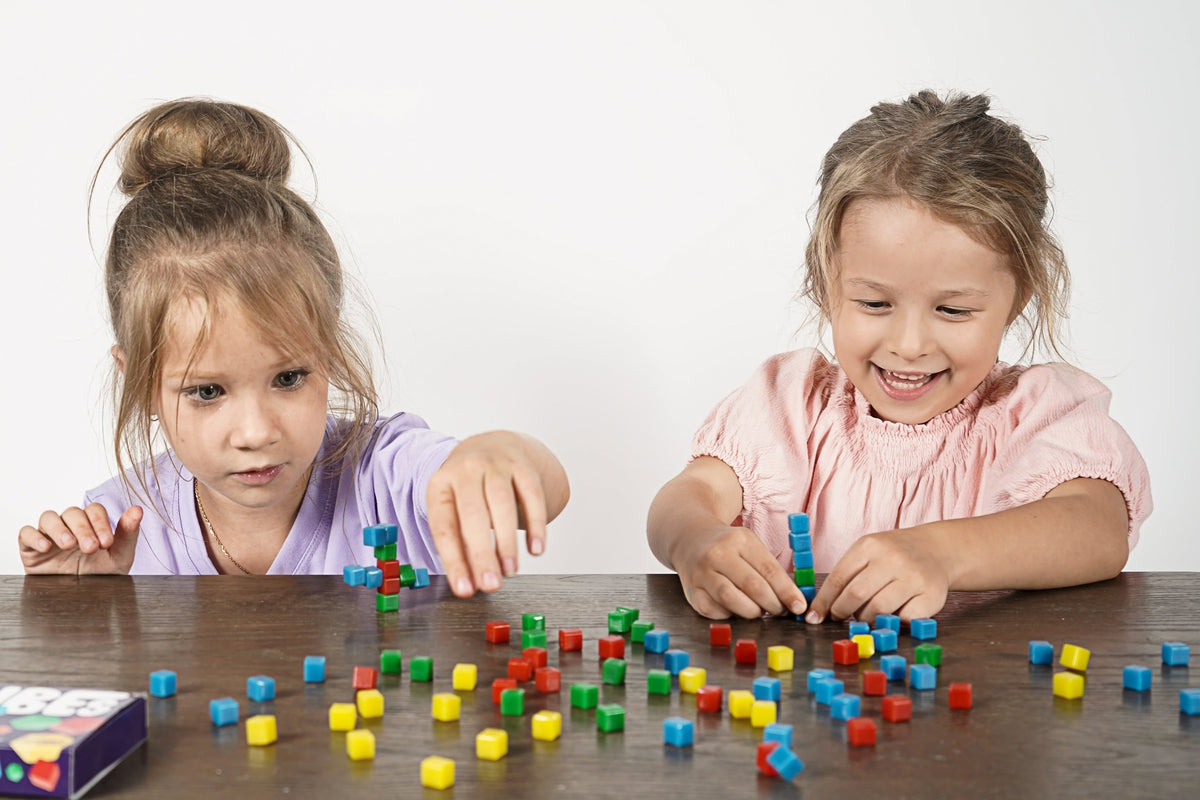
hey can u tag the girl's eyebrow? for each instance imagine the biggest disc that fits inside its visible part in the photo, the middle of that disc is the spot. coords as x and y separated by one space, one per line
875 286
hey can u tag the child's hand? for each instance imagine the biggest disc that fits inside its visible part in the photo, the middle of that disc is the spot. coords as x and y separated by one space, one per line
896 572
728 570
492 483
81 541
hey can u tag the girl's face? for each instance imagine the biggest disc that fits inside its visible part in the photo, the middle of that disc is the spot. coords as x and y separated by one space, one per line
919 308
247 420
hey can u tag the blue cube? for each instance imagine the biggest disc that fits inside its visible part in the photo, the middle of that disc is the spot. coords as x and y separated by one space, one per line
858 629
1136 678
923 628
1041 652
1189 701
827 689
802 559
798 523
845 706
885 640
422 578
260 688
374 578
314 669
678 731
922 676
785 762
895 667
768 689
815 675
656 641
676 660
809 593
1175 654
354 575
778 732
800 542
889 621
380 535
162 683
223 711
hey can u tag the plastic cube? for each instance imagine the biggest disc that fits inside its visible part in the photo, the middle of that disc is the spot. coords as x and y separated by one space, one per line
370 703
547 680
860 732
802 559
798 523
896 708
1189 701
497 632
845 706
260 730
610 718
360 745
1136 678
785 762
512 702
611 647
547 725
223 711
570 639
895 667
889 622
520 670
612 671
827 689
389 662
780 658
314 669
420 669
446 707
809 593
385 552
1068 685
162 683
498 687
465 677
800 542
741 703
885 640
354 575
1041 652
387 602
533 622
260 688
658 681
857 628
618 622
390 568
930 654
922 677
437 772
961 695
815 675
874 683
374 578
708 698
637 633
657 641
585 695
845 652
767 689
343 716
691 679
364 678
805 577
420 581
745 651
866 645
679 732
778 732
763 750
534 638
763 713
408 575
1074 657
923 628
720 634
390 586
676 661
1175 654
380 535
491 744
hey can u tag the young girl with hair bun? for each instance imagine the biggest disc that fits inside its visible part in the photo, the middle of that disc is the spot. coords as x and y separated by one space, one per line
924 464
228 306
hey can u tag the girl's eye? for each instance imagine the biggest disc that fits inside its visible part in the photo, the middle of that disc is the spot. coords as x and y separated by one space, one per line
291 379
957 313
873 305
205 393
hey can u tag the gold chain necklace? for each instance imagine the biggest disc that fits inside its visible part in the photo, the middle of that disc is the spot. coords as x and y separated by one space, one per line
212 532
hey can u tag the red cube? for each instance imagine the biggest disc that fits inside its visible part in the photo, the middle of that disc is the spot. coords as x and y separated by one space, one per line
708 698
874 683
845 651
745 651
612 647
547 679
390 568
390 586
860 732
499 685
897 708
535 655
520 669
960 695
570 639
765 749
364 678
720 634
497 632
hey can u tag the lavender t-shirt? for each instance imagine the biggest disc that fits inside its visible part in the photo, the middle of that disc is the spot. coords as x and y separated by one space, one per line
386 487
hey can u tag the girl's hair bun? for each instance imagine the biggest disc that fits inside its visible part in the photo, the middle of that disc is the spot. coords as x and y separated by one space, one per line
190 136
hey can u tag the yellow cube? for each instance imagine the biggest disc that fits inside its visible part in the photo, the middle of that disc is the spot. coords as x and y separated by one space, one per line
342 717
781 658
1068 685
492 744
437 772
692 679
547 725
360 745
370 703
1074 657
762 713
446 706
465 677
866 645
260 730
740 703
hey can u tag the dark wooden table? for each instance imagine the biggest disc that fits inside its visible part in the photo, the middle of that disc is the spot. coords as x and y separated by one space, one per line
1017 741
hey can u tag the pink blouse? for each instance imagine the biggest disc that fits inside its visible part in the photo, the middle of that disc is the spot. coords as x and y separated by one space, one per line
800 437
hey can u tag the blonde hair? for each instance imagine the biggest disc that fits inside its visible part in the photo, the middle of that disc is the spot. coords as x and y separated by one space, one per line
210 218
970 169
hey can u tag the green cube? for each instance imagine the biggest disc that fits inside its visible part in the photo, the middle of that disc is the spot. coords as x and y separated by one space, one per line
420 669
638 631
658 681
610 718
408 575
806 577
512 702
387 602
617 622
930 654
630 613
389 662
385 552
613 671
585 695
533 622
533 639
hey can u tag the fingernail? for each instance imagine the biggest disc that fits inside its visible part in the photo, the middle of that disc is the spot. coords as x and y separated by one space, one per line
64 540
537 546
812 617
798 607
509 567
462 587
490 581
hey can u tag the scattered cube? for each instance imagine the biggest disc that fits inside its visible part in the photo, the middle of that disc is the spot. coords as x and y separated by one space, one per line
491 744
223 711
162 683
741 703
657 641
1074 657
360 745
1136 678
611 647
1068 685
961 695
930 654
547 679
1189 701
767 689
763 750
389 662
446 706
570 639
894 666
512 702
497 632
533 639
658 681
437 772
745 651
420 669
691 679
923 628
762 713
778 732
679 732
260 688
364 678
874 683
520 670
885 640
897 708
547 725
260 730
618 622
343 716
676 661
815 675
827 689
845 706
845 652
785 762
370 703
1041 652
637 633
720 634
708 698
465 677
585 695
866 645
780 658
922 677
858 628
860 732
610 718
314 669
498 687
612 671
887 622
1175 654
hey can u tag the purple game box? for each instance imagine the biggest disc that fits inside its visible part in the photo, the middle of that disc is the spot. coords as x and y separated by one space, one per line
59 742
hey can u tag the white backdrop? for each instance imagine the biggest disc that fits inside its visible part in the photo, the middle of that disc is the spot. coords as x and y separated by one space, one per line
584 219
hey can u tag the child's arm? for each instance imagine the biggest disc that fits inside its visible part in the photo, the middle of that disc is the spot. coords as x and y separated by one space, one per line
1076 534
724 569
498 481
80 541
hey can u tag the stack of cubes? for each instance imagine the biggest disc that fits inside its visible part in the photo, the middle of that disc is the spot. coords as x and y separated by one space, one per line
388 576
802 555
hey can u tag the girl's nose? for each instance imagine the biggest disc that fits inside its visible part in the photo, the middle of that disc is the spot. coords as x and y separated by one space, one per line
255 427
908 336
